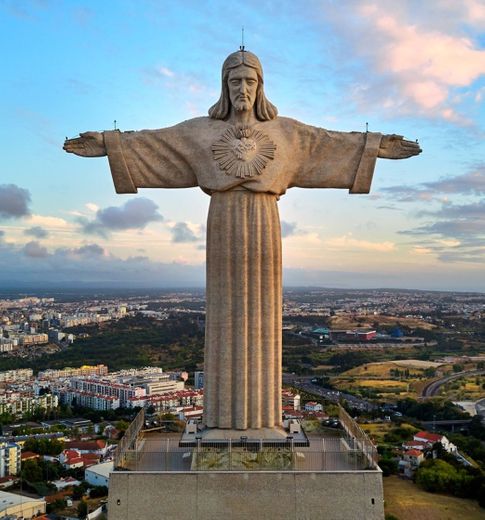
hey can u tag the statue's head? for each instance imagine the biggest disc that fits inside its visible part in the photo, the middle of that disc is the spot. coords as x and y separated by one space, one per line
243 68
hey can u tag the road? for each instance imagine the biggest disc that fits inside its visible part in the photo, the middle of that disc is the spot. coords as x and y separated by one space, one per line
480 408
432 388
305 383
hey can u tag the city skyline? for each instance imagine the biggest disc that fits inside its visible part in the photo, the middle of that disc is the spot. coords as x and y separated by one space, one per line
418 71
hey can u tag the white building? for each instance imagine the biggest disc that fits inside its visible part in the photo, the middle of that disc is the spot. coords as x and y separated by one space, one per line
88 399
16 376
432 438
107 388
98 475
20 506
313 406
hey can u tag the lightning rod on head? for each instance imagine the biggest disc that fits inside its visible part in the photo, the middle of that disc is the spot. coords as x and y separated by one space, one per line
241 47
114 123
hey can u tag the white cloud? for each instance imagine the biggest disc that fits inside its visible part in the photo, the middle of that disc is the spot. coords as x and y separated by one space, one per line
92 207
165 71
347 242
49 222
419 250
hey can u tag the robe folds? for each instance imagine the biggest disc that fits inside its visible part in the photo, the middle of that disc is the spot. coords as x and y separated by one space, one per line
242 363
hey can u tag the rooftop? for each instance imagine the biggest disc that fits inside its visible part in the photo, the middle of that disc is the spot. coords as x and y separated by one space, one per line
12 499
346 449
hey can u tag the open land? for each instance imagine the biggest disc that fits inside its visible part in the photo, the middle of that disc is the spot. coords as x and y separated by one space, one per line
406 501
402 378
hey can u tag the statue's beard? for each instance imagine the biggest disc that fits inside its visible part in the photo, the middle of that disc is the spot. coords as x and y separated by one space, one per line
242 105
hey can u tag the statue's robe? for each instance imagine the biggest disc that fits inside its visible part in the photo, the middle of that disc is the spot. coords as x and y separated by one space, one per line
242 366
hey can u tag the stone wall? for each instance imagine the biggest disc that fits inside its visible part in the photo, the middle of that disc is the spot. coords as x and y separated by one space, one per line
354 495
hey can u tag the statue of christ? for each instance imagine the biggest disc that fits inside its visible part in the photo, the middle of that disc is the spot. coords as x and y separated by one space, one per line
244 156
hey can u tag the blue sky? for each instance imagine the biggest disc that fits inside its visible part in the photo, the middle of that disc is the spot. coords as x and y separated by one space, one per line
407 68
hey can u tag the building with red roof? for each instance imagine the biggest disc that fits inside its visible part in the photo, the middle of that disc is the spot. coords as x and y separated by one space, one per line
433 438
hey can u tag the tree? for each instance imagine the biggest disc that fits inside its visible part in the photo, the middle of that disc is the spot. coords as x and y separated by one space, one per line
82 509
98 492
31 471
388 466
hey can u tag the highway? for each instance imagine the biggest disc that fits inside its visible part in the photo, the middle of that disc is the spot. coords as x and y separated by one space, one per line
431 389
305 383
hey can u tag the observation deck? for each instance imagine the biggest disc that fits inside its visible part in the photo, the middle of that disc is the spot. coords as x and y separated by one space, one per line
333 475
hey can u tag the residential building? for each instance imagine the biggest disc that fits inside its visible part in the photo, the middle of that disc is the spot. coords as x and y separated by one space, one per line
123 392
313 406
433 438
9 459
290 399
20 506
410 462
16 376
98 447
17 403
167 402
85 370
88 399
98 475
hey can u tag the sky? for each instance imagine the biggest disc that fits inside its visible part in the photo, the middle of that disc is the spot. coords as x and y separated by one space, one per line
412 68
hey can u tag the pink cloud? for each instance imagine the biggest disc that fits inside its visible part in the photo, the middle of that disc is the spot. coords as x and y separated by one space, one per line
422 56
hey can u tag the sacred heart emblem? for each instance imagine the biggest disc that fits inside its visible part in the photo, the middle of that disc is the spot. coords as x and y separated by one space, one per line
243 151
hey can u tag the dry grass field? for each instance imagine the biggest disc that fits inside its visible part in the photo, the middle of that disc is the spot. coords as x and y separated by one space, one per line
464 389
406 501
376 431
383 377
383 369
351 321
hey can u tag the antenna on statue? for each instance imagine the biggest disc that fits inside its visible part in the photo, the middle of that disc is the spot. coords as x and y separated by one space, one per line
114 123
367 127
241 47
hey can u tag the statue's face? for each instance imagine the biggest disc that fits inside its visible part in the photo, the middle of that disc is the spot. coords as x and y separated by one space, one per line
243 85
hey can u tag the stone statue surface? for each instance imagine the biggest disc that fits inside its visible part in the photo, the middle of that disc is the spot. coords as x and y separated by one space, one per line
245 157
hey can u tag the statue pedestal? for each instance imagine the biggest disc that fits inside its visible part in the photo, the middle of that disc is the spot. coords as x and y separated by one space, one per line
331 477
291 436
275 495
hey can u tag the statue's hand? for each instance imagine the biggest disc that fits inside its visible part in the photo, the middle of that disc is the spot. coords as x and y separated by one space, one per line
90 144
396 147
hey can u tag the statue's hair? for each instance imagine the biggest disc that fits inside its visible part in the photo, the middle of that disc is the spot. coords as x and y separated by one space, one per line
263 108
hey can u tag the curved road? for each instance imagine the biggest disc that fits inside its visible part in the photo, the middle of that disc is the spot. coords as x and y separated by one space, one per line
432 388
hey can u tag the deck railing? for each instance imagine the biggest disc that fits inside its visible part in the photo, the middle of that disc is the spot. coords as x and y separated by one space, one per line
129 440
358 436
349 450
323 454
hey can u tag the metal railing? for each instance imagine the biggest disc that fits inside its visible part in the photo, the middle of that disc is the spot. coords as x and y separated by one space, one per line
358 436
130 439
156 451
323 454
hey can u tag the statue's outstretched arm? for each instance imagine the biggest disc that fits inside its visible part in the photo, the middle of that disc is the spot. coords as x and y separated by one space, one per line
396 147
89 144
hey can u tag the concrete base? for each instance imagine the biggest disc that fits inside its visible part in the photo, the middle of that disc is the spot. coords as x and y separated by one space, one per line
353 495
261 436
